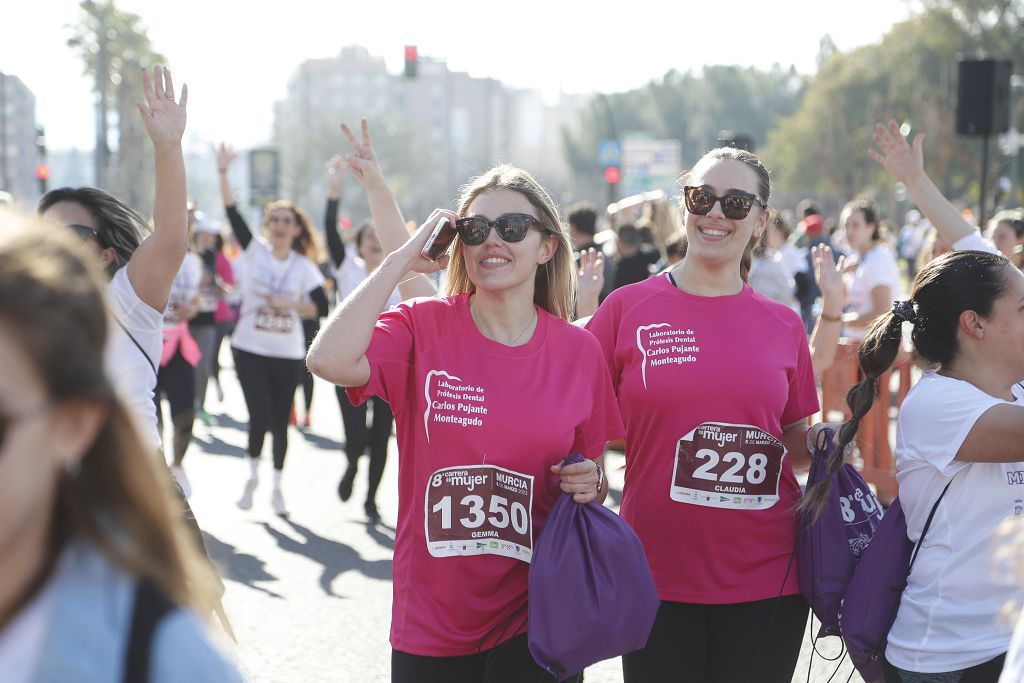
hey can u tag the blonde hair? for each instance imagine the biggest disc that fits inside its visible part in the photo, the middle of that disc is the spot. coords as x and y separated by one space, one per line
307 242
119 498
555 281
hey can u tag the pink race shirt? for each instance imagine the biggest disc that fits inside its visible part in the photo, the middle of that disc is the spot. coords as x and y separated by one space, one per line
479 426
705 385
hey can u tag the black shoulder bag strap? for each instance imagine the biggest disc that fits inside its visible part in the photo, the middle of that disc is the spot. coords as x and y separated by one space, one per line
928 523
151 606
138 346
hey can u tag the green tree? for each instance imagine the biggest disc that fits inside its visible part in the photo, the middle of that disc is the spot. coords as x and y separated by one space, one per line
114 48
911 76
691 108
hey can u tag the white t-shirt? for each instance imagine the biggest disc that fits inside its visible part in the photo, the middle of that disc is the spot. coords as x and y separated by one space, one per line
131 373
949 616
261 329
1013 669
877 267
21 642
770 276
795 258
975 242
184 289
352 273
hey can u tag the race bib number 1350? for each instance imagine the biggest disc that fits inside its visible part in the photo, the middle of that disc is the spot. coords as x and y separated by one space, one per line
479 510
728 466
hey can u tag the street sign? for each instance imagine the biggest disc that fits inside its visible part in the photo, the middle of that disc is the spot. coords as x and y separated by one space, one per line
609 153
650 164
264 171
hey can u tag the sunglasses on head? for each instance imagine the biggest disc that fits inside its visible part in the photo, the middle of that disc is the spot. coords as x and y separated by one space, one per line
511 227
735 205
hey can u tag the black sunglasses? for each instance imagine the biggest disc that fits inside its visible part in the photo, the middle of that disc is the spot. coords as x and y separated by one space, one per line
735 205
511 227
84 232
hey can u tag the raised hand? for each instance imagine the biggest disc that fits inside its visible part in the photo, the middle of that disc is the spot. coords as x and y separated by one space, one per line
163 117
362 161
829 277
901 159
225 155
335 168
590 282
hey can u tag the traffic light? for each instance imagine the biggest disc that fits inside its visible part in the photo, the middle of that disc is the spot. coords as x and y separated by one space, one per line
612 175
411 61
42 168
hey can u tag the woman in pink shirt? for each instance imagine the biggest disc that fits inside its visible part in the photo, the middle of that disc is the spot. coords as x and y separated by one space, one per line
715 383
491 388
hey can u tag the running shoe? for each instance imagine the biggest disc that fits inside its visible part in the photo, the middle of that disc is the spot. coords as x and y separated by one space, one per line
345 485
305 422
178 472
277 501
292 420
204 417
372 515
245 502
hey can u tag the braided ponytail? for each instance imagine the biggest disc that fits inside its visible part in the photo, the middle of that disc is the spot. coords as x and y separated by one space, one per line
876 355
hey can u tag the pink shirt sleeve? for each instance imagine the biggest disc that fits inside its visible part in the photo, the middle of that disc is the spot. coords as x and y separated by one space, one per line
224 270
390 356
604 423
604 326
803 392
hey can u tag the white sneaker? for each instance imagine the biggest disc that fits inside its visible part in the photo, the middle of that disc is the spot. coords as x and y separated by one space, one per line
178 472
277 501
245 502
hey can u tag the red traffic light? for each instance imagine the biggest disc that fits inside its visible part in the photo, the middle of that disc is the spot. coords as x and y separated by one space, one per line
43 171
612 175
411 60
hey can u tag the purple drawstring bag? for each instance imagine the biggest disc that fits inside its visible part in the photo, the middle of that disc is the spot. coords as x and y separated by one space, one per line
873 598
591 594
829 545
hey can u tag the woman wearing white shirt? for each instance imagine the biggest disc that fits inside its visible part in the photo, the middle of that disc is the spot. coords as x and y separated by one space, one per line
875 281
962 427
141 271
353 263
281 286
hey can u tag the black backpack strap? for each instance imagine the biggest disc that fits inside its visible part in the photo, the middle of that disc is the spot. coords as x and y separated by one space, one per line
135 341
151 606
928 523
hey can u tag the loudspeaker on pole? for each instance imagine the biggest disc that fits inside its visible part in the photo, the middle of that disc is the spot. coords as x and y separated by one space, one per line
983 96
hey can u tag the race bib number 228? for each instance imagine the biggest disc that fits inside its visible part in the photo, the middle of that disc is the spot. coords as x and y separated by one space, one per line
479 510
728 466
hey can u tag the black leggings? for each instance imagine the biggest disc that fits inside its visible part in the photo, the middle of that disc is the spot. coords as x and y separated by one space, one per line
749 641
510 662
268 385
359 435
986 672
310 328
177 381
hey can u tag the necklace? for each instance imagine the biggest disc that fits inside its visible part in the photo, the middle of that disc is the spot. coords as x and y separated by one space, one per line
518 336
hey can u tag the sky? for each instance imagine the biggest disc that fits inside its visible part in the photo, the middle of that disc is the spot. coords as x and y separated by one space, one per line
237 56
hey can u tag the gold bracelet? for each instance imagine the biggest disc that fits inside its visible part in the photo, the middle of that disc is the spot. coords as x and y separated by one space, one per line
831 318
